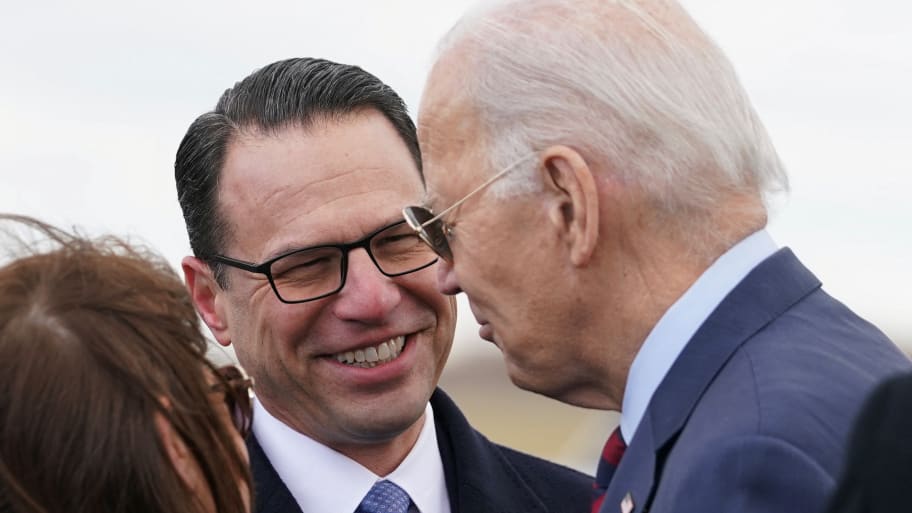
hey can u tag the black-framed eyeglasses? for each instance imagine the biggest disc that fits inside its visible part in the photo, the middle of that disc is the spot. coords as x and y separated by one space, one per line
315 272
236 387
431 228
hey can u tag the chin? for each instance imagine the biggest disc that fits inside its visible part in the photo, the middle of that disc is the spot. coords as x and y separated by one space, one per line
519 378
537 379
385 422
378 430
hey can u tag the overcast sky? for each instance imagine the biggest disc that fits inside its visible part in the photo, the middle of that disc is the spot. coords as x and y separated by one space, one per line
95 96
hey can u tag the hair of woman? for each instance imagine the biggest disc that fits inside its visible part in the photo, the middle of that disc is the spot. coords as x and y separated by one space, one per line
98 338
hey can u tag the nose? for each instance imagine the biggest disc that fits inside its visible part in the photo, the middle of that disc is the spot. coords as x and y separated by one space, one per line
368 296
446 278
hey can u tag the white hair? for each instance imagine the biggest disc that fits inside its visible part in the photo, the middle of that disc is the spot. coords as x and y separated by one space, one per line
635 86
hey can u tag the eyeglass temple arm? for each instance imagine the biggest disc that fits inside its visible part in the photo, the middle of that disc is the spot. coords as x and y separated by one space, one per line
486 183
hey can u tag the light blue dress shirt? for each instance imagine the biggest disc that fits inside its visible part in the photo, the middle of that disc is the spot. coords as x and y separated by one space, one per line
679 323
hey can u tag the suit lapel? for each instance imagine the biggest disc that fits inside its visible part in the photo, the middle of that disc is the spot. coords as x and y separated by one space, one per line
270 493
767 292
635 474
479 479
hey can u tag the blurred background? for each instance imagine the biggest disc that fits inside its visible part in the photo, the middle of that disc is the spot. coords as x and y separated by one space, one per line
96 95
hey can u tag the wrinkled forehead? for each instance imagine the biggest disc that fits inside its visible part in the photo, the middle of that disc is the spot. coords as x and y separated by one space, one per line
451 168
451 137
302 187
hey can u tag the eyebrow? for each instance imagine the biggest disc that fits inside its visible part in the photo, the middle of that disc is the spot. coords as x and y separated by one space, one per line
286 248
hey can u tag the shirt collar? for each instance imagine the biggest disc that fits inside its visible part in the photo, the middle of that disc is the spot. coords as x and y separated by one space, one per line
421 472
341 482
679 323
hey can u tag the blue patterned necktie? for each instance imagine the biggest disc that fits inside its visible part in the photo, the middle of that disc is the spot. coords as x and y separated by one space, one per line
385 497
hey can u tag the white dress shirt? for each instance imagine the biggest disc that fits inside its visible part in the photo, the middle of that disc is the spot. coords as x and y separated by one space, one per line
321 479
679 323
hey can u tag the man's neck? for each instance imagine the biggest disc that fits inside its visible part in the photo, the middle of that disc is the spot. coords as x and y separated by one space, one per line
381 456
637 283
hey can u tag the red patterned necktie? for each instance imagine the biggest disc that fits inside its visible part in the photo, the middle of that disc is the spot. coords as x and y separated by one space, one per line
611 458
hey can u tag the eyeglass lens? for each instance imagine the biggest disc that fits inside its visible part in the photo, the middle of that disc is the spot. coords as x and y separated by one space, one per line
316 272
433 234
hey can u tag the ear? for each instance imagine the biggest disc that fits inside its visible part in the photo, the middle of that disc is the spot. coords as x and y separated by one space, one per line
575 209
205 293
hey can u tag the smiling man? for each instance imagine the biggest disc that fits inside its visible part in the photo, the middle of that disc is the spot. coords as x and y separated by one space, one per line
596 182
290 190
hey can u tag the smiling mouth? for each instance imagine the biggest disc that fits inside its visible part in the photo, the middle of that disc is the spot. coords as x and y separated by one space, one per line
373 356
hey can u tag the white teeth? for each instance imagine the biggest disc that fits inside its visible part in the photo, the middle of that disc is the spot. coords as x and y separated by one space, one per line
372 356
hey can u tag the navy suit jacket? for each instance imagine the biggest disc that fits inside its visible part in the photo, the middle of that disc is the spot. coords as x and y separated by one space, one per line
481 477
754 414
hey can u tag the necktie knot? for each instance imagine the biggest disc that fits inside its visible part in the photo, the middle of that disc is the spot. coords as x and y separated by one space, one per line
608 463
385 497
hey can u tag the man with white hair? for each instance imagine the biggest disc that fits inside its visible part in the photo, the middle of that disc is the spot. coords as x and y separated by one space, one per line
596 182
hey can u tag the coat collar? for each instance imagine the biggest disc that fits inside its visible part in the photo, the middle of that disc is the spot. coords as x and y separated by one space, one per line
270 493
479 478
773 287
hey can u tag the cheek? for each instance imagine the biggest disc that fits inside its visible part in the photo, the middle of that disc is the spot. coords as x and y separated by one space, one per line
484 273
445 309
274 327
422 287
446 326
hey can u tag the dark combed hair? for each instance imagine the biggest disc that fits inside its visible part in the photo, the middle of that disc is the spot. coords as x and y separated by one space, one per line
293 92
97 337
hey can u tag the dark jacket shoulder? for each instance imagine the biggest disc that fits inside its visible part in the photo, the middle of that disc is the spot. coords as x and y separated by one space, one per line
486 477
